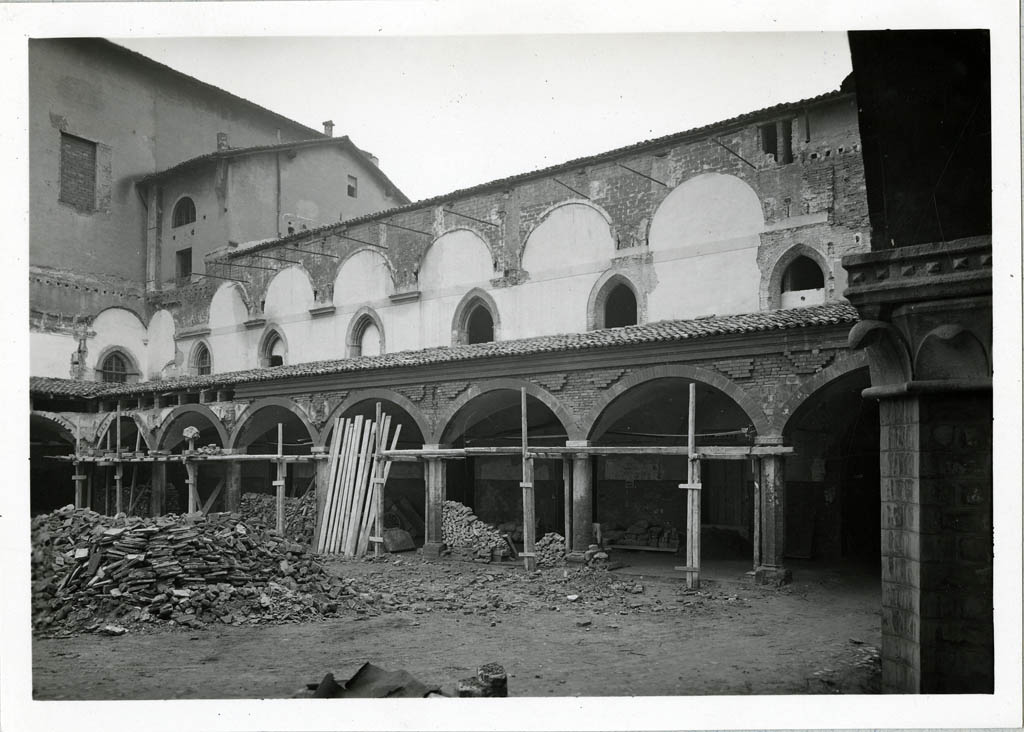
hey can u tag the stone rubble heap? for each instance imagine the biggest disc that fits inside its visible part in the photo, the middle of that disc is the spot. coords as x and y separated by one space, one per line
461 529
89 569
550 550
259 511
644 533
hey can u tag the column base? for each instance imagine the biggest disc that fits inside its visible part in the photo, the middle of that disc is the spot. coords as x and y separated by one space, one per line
773 576
433 549
575 558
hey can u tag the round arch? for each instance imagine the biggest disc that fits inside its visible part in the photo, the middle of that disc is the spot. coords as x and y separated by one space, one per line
56 423
445 420
368 395
850 362
220 311
200 409
680 371
562 204
771 285
257 406
460 319
363 248
599 298
140 424
431 248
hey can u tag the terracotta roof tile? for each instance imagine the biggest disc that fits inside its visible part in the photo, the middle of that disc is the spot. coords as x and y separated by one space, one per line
837 313
65 387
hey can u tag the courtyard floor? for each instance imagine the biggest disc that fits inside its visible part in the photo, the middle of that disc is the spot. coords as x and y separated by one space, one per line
632 631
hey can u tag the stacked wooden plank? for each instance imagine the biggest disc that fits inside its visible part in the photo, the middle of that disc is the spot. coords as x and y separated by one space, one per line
355 487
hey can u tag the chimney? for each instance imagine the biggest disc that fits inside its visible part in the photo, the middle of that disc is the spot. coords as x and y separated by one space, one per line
222 141
329 127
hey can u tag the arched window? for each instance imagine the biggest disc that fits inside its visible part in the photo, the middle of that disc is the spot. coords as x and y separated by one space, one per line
479 325
365 334
114 368
803 283
184 212
615 302
274 350
476 319
620 307
201 362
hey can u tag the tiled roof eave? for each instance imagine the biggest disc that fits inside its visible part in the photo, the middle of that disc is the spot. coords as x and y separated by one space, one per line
832 314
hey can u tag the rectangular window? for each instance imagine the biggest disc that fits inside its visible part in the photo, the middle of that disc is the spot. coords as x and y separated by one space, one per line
777 140
77 172
183 263
353 186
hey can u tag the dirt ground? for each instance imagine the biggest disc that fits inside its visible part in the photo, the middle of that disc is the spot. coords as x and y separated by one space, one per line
557 632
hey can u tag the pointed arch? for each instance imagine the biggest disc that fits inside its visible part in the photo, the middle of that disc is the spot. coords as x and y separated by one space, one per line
600 292
273 348
475 298
357 281
362 319
289 292
230 306
457 257
771 284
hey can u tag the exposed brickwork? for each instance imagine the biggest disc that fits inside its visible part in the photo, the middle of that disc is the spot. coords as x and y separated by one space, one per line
78 172
736 368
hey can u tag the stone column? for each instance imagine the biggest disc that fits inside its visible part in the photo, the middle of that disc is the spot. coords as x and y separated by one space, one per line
158 489
233 486
926 325
773 518
582 501
435 476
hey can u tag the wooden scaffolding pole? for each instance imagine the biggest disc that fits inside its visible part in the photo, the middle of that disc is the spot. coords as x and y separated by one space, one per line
282 471
692 487
755 466
529 521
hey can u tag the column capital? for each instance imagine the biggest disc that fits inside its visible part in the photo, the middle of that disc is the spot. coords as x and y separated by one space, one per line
577 443
436 446
769 440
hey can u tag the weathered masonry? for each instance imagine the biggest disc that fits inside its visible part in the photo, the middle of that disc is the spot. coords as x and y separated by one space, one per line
761 379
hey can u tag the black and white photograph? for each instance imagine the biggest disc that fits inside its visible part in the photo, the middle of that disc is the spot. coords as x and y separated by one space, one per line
626 367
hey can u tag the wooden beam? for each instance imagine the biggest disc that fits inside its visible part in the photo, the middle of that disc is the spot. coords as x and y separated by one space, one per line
529 509
213 497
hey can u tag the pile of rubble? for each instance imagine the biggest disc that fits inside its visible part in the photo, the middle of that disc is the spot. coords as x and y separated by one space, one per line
211 449
259 511
461 529
550 550
89 569
644 533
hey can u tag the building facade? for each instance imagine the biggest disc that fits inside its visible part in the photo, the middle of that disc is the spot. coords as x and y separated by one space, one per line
603 286
112 136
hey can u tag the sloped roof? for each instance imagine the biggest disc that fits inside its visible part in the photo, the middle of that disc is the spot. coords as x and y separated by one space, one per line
653 143
65 387
836 313
235 152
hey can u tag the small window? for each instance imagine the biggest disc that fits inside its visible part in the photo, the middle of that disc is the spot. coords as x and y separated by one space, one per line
777 140
353 186
803 284
183 264
803 274
201 362
184 213
78 172
114 369
480 325
274 351
620 308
